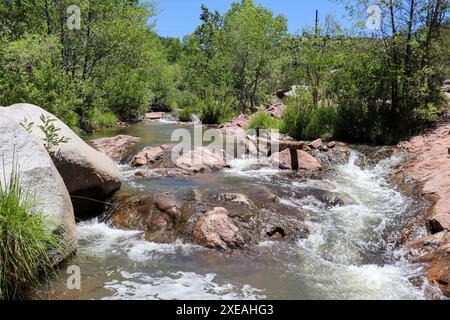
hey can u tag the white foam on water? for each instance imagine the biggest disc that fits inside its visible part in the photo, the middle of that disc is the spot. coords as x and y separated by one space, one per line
251 167
100 240
168 119
178 285
334 255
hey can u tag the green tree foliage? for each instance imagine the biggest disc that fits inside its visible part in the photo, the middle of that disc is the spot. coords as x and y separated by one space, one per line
365 85
235 53
114 63
390 87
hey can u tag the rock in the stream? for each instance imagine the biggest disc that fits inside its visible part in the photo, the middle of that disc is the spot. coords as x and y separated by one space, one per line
90 176
115 147
235 198
316 144
295 160
214 229
215 221
154 115
245 146
39 176
149 155
163 172
200 159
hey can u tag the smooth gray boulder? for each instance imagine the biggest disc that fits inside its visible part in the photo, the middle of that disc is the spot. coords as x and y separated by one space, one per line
90 176
39 176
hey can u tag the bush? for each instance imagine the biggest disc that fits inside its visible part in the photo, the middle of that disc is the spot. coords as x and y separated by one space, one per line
25 242
96 119
217 108
262 120
185 115
302 120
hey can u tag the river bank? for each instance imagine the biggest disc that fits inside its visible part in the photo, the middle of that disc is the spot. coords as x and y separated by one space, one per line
430 167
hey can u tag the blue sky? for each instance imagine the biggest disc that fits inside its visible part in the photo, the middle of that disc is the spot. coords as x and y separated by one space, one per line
177 18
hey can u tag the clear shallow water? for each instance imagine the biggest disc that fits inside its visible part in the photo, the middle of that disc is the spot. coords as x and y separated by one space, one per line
351 252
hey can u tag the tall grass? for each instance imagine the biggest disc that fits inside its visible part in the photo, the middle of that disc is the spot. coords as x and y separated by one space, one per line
217 107
27 248
303 120
185 115
262 121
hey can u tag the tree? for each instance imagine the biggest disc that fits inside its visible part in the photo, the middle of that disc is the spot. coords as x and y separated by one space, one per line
251 36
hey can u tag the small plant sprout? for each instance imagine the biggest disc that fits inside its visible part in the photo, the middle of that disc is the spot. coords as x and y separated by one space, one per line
28 126
51 135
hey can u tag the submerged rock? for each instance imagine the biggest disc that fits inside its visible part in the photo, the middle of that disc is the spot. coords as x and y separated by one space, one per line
115 147
227 220
90 176
39 178
235 198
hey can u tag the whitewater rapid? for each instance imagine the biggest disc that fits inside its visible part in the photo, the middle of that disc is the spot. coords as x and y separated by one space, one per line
351 252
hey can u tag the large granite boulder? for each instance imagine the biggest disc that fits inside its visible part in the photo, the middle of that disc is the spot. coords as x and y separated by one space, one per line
38 175
90 176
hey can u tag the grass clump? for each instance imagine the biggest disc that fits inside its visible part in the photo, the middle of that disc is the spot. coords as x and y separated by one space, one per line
303 120
262 121
27 247
185 115
217 107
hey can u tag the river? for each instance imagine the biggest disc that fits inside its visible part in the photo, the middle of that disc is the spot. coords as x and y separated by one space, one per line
352 251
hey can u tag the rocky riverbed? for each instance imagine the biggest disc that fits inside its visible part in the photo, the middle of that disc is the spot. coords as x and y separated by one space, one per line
325 221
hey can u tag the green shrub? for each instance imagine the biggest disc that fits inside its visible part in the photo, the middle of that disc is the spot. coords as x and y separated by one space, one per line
302 120
96 119
25 242
185 115
217 108
262 120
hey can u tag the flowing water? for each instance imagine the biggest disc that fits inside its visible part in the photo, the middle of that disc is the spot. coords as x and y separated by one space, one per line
351 252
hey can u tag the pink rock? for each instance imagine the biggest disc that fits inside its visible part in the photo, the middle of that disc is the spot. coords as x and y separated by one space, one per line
235 198
147 156
200 159
115 147
154 115
276 110
214 229
316 144
235 127
305 161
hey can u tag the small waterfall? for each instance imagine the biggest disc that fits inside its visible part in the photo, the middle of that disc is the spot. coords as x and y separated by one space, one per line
168 118
195 119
